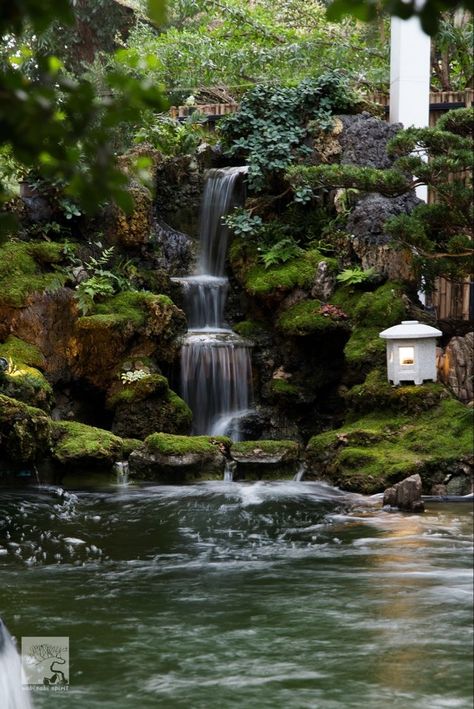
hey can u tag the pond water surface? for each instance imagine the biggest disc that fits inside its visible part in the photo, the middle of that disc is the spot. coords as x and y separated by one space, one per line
287 595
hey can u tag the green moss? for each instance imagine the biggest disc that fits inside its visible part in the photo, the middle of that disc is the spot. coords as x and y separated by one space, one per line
382 308
21 275
250 329
102 322
370 312
281 387
304 318
168 444
25 431
22 381
20 351
129 445
181 414
46 252
128 306
78 443
365 347
322 442
371 452
377 393
141 389
298 272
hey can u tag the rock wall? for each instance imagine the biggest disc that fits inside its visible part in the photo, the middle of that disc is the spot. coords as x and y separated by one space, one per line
456 367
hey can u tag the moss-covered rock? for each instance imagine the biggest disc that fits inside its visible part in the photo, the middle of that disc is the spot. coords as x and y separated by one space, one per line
25 432
146 406
371 452
369 313
23 352
277 281
78 445
251 329
376 393
284 388
309 317
22 270
22 381
178 459
256 460
127 325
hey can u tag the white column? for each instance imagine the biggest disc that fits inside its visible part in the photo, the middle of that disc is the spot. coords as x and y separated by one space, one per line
410 77
409 73
410 70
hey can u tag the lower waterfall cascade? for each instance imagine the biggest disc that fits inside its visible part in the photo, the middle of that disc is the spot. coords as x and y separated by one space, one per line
216 373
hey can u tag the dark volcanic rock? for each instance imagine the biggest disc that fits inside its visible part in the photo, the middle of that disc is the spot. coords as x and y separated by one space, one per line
368 217
370 242
364 140
177 249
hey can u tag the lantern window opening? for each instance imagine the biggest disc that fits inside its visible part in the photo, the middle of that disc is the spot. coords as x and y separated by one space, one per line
406 356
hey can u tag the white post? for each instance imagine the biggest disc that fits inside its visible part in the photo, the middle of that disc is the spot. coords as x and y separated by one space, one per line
410 77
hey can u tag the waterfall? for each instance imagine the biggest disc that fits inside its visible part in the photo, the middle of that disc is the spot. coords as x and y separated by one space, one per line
12 693
216 375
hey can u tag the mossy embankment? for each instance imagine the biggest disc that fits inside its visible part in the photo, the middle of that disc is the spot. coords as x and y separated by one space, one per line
274 282
373 450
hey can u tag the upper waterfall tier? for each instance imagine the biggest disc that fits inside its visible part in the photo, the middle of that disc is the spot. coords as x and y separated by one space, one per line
220 195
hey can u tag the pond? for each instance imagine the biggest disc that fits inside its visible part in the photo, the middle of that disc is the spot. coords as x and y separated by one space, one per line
224 595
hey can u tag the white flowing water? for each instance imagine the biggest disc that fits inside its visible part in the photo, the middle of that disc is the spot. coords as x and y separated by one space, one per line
236 595
216 376
12 693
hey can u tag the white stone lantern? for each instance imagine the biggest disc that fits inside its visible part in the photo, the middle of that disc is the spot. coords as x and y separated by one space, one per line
411 352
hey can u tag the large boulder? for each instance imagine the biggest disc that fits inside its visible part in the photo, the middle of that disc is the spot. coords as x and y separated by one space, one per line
77 445
371 243
374 451
364 140
25 432
147 405
179 459
456 367
406 495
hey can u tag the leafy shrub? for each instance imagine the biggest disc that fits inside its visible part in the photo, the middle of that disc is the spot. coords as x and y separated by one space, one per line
172 137
269 130
243 223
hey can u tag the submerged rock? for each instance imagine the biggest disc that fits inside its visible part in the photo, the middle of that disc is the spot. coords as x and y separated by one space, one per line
406 495
265 459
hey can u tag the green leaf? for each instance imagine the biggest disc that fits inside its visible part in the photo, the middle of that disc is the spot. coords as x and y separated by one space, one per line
156 10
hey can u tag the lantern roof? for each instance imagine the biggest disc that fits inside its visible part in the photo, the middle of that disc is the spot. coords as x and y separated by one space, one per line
410 330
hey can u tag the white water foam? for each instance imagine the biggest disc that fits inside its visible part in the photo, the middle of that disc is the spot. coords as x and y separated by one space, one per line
13 695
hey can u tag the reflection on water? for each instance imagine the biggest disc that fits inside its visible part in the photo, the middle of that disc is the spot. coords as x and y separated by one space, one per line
227 595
